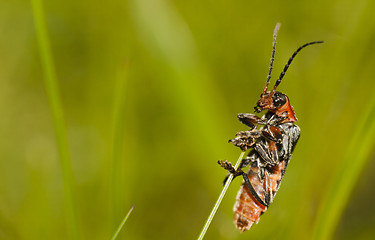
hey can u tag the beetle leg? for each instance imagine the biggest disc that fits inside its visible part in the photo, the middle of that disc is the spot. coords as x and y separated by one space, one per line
268 197
268 153
273 133
228 166
252 190
246 139
249 120
247 160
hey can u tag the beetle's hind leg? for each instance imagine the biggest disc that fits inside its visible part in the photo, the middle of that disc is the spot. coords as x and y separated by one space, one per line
228 166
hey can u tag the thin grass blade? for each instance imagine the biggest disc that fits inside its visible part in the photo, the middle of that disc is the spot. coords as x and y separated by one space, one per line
217 204
122 223
117 161
50 81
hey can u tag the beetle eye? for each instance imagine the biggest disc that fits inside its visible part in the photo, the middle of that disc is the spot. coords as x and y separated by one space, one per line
278 99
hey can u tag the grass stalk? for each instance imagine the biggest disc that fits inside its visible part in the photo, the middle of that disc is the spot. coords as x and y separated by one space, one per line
217 204
347 174
122 223
117 164
50 81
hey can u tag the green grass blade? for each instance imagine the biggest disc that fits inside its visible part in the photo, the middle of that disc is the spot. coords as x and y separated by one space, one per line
348 172
117 163
122 223
50 81
217 204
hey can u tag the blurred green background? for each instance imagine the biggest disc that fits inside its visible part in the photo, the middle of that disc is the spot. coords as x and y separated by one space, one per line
150 90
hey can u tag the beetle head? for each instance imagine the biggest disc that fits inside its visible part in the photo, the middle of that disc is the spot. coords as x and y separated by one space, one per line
271 102
277 102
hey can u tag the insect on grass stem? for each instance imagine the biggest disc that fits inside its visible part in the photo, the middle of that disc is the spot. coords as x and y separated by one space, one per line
213 212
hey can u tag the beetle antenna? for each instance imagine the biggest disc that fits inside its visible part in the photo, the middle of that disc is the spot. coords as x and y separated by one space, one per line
277 27
288 64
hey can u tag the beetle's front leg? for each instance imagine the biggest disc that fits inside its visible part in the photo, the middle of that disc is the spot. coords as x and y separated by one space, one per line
247 139
250 120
